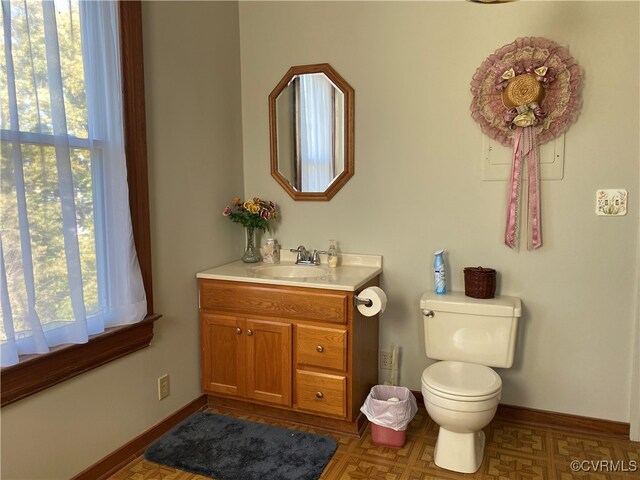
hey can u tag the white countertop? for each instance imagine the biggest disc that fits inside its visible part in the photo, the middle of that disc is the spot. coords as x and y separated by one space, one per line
352 272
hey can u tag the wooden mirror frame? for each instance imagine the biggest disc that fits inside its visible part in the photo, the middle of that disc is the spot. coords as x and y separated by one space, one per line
348 93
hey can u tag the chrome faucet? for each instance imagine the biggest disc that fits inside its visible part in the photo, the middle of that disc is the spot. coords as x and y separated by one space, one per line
303 254
306 257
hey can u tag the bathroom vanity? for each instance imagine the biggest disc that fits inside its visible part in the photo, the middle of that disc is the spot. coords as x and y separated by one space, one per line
286 341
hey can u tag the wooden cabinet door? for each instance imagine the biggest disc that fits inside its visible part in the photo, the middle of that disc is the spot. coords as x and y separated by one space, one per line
223 354
268 361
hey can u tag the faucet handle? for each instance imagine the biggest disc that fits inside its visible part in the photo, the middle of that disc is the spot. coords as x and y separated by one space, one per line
302 253
315 256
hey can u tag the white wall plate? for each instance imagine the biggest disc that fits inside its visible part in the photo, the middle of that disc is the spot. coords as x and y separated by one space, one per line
611 202
497 159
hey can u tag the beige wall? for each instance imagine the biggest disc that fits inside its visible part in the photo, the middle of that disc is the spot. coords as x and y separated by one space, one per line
195 166
416 189
417 184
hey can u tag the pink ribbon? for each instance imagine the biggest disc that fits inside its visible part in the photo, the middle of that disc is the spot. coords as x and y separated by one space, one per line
525 148
534 224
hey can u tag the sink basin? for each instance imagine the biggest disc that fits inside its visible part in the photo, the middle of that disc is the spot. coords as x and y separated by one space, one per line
291 271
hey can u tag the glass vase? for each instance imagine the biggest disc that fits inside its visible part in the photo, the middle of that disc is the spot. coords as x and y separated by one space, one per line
251 254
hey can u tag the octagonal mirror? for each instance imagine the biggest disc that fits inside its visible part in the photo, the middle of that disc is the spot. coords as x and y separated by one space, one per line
311 132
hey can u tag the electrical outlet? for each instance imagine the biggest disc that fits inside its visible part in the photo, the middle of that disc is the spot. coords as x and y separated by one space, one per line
163 386
386 360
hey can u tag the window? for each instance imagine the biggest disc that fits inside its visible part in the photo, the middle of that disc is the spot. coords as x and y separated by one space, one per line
319 121
84 156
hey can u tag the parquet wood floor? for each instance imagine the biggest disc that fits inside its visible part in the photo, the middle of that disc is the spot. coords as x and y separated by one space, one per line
513 451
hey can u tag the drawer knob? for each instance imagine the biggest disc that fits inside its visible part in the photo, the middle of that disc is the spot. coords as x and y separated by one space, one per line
319 395
238 330
319 349
249 332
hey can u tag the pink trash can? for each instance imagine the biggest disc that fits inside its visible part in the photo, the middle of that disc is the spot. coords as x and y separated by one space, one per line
388 436
389 408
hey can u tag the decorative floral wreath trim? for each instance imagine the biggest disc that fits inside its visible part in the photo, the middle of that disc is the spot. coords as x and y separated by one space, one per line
530 68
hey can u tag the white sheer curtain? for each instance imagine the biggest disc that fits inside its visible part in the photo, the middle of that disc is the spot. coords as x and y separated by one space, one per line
68 263
316 126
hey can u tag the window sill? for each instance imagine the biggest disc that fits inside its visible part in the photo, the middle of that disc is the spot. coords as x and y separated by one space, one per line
39 372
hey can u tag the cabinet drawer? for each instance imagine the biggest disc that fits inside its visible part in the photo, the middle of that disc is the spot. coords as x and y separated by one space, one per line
321 347
321 393
282 302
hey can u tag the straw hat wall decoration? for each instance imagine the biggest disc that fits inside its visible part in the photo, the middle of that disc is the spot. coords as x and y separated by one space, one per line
524 95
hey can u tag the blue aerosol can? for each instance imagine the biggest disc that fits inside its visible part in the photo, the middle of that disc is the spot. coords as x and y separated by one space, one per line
438 273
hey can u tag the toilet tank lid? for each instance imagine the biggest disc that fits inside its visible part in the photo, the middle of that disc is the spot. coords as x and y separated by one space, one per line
458 302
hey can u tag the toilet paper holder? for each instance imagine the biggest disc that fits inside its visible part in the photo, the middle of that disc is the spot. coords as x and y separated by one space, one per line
367 302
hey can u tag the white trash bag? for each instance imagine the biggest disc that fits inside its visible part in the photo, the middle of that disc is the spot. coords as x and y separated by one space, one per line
390 406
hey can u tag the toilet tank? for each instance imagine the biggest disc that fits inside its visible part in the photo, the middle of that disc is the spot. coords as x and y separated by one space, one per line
457 327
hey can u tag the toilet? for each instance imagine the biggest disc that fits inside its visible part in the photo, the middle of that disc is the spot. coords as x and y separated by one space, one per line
461 392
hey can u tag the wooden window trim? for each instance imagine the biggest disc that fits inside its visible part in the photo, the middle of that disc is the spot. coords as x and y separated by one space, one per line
38 372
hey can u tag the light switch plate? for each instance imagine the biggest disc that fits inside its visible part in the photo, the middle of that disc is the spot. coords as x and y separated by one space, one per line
611 202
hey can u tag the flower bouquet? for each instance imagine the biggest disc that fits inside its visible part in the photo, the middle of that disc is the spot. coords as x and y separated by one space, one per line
252 214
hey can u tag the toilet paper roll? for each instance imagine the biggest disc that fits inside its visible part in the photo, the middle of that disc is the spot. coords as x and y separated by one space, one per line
378 301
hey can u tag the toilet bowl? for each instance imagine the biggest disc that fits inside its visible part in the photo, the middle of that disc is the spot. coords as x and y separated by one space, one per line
461 398
461 392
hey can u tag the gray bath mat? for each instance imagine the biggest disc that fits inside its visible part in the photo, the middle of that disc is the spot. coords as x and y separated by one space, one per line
231 449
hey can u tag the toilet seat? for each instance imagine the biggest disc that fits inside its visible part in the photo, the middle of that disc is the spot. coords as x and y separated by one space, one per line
461 381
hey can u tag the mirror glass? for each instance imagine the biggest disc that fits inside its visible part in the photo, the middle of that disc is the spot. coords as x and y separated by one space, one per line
311 126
